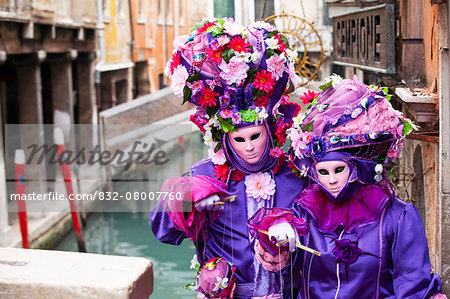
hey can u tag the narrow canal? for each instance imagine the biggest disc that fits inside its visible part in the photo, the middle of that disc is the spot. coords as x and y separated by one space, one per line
129 233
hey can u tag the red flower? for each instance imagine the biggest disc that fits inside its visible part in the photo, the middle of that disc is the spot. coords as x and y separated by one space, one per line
308 96
280 163
221 172
281 132
174 62
209 98
262 101
237 175
264 81
198 123
281 44
238 44
215 56
205 27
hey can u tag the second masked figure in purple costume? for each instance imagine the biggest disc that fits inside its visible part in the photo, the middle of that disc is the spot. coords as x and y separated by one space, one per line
239 79
373 244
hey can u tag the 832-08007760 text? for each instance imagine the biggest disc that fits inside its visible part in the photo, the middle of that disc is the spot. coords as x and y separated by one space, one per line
99 195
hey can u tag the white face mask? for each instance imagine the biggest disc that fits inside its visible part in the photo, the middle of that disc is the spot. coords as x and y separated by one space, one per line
333 175
249 142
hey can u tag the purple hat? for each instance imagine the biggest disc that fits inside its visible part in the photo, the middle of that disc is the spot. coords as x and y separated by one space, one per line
350 117
236 76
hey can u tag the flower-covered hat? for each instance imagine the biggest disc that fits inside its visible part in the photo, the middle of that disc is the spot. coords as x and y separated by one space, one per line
236 76
349 121
216 279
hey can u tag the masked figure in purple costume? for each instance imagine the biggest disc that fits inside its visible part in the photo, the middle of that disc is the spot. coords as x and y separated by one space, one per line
239 78
373 244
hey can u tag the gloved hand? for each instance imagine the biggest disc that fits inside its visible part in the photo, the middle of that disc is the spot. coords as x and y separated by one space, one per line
207 203
281 231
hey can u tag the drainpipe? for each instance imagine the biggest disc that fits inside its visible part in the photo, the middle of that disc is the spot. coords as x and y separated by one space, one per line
101 46
132 50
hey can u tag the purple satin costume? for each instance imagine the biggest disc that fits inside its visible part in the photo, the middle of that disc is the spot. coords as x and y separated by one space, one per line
228 235
388 258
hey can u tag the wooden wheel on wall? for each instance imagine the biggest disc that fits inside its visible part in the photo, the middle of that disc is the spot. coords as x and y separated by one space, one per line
304 39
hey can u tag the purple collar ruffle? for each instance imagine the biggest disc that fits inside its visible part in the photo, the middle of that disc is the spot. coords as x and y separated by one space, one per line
363 208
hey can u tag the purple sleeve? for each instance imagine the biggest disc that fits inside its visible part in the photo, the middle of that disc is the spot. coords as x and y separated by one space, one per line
411 262
162 227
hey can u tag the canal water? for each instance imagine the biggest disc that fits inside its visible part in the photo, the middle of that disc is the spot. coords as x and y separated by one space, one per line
129 233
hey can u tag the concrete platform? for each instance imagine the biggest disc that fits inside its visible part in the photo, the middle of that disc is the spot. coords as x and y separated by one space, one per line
32 273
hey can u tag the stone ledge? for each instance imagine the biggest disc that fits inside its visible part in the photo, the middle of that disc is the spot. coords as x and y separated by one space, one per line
31 273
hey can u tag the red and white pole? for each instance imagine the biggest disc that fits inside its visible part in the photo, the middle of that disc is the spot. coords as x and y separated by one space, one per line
19 161
58 138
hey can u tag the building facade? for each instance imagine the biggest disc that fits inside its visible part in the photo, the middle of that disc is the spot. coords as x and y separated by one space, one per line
403 44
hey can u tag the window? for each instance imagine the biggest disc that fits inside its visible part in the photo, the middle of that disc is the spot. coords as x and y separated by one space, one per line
223 8
264 9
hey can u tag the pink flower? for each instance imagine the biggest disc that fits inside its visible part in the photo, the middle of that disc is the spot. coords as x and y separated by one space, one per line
209 98
300 141
260 185
235 71
226 113
275 65
276 152
196 85
263 81
179 78
216 158
236 118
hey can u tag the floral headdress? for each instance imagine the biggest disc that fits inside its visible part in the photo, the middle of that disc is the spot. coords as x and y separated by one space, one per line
236 76
351 117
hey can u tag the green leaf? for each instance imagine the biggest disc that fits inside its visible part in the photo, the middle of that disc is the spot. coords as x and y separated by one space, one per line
214 30
195 77
309 127
217 148
190 286
385 91
250 75
271 34
187 92
388 97
326 86
407 128
269 53
212 110
226 124
291 88
249 115
227 54
221 22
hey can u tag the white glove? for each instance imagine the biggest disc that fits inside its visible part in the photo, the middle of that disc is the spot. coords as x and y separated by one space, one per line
282 231
207 203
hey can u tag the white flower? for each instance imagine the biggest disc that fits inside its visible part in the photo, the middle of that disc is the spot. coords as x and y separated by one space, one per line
233 28
303 171
291 55
260 185
272 43
261 116
213 121
298 120
243 55
194 262
335 79
208 139
255 56
217 158
221 283
179 78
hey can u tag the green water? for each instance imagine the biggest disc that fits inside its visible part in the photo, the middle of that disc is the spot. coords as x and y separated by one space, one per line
129 234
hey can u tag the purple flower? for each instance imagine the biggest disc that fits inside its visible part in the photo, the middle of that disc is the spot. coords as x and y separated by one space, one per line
346 251
236 118
224 100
